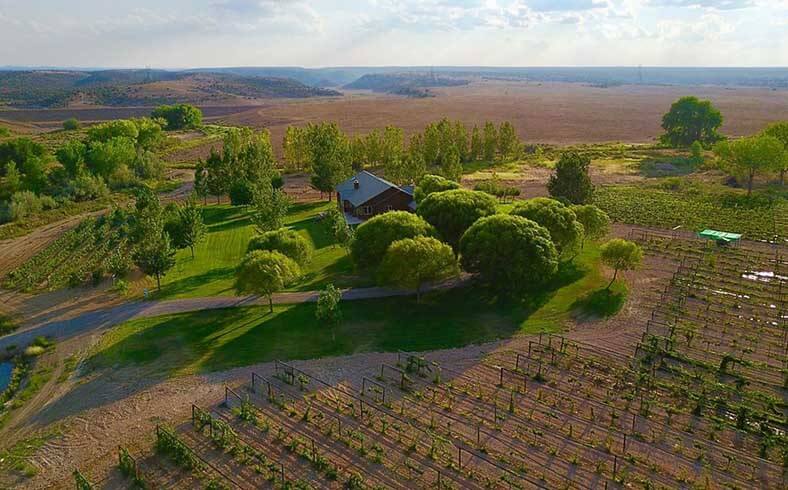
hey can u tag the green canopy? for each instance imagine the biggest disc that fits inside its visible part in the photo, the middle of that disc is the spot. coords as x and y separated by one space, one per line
720 236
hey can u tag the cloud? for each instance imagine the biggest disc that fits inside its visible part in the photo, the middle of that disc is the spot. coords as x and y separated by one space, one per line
563 5
707 4
251 14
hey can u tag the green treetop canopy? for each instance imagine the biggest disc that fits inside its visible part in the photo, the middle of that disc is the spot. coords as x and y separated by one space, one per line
720 236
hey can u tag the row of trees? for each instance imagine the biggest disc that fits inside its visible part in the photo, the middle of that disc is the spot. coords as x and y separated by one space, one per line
442 148
511 252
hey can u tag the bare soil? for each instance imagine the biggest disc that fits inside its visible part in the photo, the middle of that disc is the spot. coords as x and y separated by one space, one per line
558 113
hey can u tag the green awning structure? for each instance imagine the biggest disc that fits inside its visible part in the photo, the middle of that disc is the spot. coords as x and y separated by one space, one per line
720 236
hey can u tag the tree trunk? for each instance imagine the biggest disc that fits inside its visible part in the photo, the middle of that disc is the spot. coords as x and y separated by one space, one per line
158 282
615 273
782 177
749 184
192 248
270 303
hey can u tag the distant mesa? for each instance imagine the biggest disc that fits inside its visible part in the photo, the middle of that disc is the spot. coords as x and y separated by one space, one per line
407 84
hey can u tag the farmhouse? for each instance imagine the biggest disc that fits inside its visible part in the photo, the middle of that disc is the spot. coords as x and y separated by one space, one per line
365 195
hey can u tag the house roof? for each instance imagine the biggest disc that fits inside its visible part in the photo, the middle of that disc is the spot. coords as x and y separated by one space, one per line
369 186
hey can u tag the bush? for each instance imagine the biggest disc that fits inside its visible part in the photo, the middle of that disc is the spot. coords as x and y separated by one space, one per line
34 351
4 132
26 203
71 124
373 237
510 253
121 178
6 325
148 166
121 287
290 243
86 187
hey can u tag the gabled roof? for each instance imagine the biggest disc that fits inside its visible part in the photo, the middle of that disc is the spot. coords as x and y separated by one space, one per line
369 186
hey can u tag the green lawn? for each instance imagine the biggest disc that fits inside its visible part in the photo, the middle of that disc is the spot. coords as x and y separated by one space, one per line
221 339
212 271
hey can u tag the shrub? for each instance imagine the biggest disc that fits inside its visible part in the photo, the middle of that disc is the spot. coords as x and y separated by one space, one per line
373 237
290 243
26 203
34 351
121 178
86 187
71 124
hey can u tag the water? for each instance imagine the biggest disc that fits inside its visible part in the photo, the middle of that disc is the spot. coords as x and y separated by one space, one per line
5 375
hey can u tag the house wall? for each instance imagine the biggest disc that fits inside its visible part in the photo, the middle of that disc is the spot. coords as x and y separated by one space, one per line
388 200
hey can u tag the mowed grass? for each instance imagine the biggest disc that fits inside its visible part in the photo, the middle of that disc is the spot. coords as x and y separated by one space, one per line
213 340
229 230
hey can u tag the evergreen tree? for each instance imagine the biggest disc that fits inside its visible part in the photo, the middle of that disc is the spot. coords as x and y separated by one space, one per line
570 180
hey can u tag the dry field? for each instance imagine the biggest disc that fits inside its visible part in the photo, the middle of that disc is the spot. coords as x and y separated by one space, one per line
559 113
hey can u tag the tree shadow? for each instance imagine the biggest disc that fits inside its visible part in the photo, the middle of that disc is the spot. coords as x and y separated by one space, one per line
602 303
666 166
190 284
316 230
229 224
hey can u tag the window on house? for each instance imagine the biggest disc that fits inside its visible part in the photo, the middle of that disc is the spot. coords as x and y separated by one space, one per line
389 208
366 210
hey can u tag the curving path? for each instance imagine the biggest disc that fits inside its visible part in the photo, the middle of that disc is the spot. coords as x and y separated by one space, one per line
114 315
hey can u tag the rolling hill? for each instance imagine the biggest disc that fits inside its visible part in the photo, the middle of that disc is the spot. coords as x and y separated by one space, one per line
63 88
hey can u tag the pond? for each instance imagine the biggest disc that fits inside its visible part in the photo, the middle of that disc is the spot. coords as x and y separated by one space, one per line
5 374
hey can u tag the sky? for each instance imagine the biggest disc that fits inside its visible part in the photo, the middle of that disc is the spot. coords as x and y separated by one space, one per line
318 33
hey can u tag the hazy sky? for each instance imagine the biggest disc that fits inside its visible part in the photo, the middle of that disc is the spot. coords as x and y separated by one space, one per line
180 33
